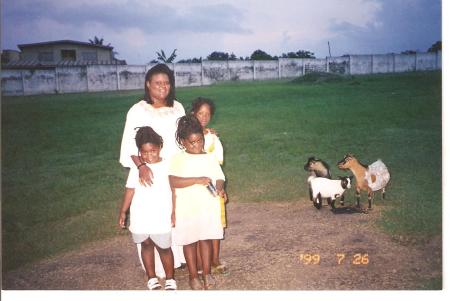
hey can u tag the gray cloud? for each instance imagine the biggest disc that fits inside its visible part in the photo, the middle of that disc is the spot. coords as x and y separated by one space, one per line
159 18
402 25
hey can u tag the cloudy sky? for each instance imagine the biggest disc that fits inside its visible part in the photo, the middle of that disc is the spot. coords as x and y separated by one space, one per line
137 29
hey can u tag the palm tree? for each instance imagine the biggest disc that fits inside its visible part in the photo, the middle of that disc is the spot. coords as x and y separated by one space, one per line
162 56
97 41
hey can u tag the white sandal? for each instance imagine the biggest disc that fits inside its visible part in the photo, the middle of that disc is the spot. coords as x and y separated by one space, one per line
153 284
170 285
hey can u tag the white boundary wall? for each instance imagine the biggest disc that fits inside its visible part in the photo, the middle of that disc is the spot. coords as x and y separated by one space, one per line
95 78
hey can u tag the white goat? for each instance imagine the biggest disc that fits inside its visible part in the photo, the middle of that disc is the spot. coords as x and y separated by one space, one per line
326 188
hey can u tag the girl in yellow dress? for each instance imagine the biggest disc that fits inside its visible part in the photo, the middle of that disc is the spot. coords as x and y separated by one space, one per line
196 209
204 109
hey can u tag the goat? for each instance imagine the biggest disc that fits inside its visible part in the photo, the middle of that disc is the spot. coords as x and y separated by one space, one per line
368 178
318 168
327 188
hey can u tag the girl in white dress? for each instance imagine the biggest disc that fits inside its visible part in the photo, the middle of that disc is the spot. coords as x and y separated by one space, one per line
151 209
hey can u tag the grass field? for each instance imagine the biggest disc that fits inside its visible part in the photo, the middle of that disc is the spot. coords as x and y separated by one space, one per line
62 183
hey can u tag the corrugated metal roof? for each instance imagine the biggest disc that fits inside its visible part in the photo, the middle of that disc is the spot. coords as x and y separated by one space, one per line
35 64
21 46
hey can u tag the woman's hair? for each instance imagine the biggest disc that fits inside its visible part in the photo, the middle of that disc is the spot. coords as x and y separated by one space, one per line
187 125
199 102
145 135
158 69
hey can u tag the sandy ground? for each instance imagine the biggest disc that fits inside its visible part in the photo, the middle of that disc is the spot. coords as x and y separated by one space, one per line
267 247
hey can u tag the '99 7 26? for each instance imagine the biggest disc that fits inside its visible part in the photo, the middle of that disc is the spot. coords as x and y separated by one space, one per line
340 258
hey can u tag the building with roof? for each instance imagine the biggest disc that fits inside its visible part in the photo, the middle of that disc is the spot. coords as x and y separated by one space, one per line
63 53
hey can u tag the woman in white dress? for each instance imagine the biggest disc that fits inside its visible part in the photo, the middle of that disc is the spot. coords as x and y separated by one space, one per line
159 110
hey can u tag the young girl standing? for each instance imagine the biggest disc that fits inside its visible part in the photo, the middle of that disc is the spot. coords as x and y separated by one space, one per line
204 109
151 209
196 209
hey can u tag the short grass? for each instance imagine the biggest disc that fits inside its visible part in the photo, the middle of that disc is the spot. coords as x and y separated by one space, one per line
62 183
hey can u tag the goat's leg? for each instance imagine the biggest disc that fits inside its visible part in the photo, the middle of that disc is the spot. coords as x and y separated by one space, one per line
318 201
369 198
332 204
311 194
358 197
383 192
342 200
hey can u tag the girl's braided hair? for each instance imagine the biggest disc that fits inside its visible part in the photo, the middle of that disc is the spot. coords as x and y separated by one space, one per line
187 125
145 135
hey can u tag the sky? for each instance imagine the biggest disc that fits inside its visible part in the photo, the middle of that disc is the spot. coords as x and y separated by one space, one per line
139 29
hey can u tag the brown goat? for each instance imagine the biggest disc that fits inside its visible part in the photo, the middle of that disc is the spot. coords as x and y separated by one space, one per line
368 178
318 168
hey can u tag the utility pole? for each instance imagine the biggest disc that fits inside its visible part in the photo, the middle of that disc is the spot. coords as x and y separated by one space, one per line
329 49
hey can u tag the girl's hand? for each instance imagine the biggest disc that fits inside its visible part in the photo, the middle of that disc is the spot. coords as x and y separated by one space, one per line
203 180
173 219
223 195
145 175
213 131
122 218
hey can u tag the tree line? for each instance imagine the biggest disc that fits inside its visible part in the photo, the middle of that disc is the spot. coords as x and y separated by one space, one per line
225 56
255 56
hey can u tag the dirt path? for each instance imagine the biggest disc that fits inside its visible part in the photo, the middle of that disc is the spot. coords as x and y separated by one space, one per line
263 246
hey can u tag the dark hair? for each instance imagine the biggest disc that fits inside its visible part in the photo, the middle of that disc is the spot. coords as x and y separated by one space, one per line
199 102
158 69
145 135
187 125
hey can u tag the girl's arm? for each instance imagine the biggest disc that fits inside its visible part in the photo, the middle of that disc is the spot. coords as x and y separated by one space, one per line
181 182
220 187
145 172
128 196
173 217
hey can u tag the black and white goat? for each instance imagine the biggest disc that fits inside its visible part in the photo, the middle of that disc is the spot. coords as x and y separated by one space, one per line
328 189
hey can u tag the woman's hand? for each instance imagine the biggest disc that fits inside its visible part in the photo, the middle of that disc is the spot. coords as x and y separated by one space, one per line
145 175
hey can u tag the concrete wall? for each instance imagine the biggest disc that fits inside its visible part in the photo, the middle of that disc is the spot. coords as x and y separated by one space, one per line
131 77
126 77
338 65
39 81
360 64
291 67
12 82
102 77
241 70
427 61
71 79
382 63
188 74
266 70
214 71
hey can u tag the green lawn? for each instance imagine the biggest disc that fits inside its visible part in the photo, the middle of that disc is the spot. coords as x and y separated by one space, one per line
62 183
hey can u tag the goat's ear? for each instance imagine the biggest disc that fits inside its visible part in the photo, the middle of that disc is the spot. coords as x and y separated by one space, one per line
344 182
